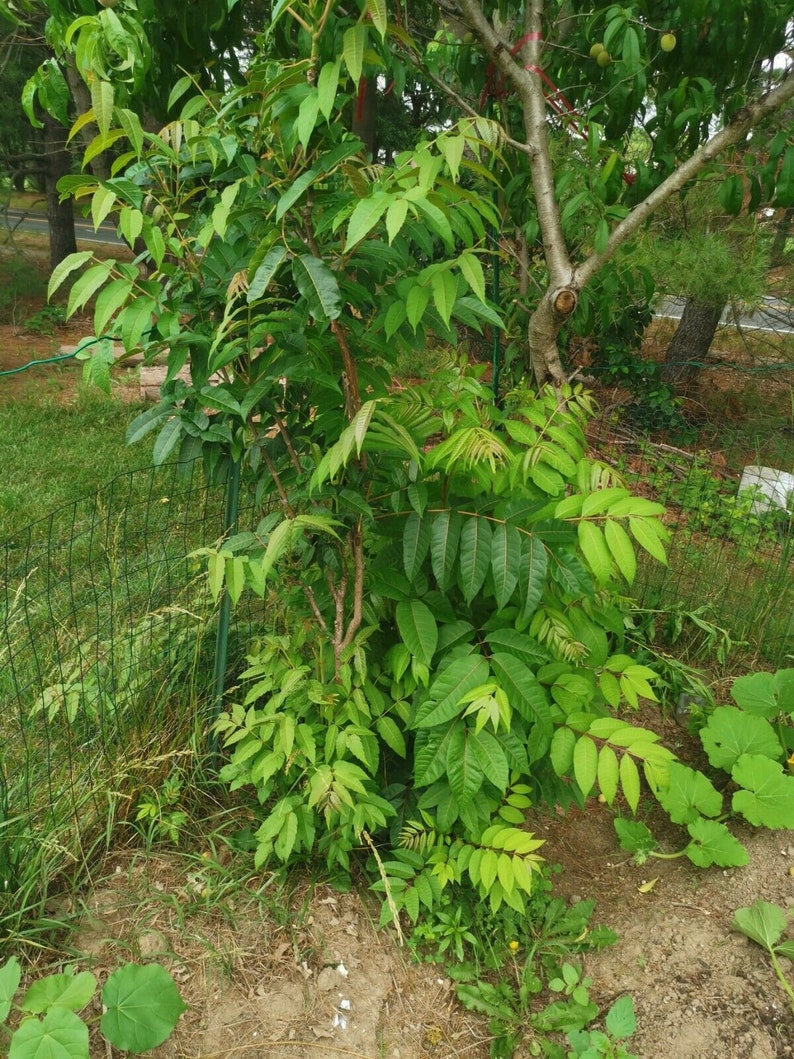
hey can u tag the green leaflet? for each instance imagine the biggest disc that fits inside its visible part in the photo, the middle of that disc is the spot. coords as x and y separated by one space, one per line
418 629
445 531
505 561
318 286
475 555
447 690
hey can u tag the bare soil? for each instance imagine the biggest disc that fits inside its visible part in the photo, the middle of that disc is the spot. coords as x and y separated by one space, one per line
307 975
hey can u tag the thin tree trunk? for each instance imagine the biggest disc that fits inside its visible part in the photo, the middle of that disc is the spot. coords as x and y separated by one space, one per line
691 342
777 255
59 214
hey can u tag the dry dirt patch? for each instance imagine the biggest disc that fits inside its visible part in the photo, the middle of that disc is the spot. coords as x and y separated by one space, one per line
309 976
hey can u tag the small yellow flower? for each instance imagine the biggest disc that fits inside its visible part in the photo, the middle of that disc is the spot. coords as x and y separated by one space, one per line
513 945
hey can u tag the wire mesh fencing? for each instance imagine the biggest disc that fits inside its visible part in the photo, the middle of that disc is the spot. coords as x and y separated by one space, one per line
107 647
730 570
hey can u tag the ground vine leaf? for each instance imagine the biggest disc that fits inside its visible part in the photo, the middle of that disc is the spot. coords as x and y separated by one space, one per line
731 732
689 795
712 843
768 796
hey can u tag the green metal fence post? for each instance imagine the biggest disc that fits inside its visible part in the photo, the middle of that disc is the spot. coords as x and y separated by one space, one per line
224 614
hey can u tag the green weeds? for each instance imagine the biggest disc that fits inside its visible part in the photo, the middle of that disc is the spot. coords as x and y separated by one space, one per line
141 1006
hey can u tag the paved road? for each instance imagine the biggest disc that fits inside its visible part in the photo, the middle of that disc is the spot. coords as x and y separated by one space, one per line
20 221
772 315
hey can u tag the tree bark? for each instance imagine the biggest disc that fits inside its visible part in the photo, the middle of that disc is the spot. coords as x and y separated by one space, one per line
777 255
59 214
691 342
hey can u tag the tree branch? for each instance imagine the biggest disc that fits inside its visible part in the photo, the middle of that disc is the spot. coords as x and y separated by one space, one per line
746 119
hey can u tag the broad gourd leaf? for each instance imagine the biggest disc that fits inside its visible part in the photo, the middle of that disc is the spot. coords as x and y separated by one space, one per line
768 796
142 1006
712 843
10 975
731 732
621 1022
689 795
60 1034
635 837
418 629
475 555
72 991
765 694
762 922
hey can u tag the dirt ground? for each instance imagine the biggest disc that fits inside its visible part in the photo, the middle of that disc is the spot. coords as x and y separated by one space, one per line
310 977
